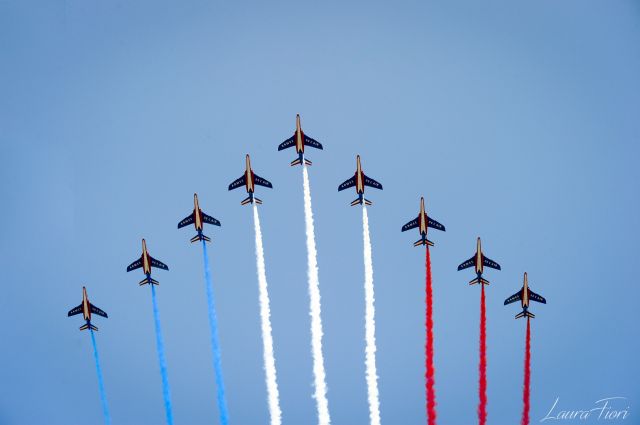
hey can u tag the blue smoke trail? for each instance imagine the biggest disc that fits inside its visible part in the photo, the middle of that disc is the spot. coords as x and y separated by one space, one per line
103 396
163 362
215 344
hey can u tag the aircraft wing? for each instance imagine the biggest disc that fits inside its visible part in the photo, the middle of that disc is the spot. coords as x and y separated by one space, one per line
470 262
186 221
535 297
490 263
287 143
261 182
158 264
312 142
74 311
347 183
513 298
368 181
210 220
434 224
96 310
411 225
238 182
135 265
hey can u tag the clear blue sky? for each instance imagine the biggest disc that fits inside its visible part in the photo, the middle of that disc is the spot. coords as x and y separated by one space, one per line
518 122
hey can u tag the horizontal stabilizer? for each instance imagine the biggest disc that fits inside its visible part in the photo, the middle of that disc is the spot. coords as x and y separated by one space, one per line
245 201
200 237
148 280
479 280
87 326
257 200
423 242
296 162
525 314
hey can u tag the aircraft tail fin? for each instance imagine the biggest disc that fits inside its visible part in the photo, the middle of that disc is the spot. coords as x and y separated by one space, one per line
355 202
257 200
479 280
200 237
423 242
525 313
87 326
246 200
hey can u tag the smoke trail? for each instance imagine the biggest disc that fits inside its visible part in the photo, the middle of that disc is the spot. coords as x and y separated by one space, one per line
161 359
314 308
267 340
527 377
429 374
215 344
370 324
482 387
103 396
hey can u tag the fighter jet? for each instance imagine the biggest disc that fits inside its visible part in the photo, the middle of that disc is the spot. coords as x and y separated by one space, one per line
198 218
524 295
299 140
359 180
250 179
86 308
422 222
479 261
146 262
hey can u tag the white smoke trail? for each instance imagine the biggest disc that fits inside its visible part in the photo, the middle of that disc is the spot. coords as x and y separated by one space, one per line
314 309
370 324
265 313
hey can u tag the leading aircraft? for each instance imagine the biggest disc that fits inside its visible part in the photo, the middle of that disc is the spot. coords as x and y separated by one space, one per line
422 221
146 261
524 295
86 308
198 218
479 260
359 180
299 140
250 179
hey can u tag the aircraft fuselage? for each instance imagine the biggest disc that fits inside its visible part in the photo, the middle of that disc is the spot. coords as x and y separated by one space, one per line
249 176
86 309
359 177
146 262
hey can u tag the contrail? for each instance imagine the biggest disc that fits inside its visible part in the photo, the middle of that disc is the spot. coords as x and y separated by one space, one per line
215 344
103 396
482 387
265 313
527 377
314 309
429 373
370 324
161 359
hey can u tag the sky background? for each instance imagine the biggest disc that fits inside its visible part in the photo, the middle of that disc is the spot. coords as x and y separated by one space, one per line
517 121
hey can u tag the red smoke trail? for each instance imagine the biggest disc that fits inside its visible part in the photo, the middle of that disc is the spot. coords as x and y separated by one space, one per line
527 377
482 387
428 348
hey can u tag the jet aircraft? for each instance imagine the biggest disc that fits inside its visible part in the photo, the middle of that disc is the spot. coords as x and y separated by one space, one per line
423 222
146 261
479 260
250 179
359 180
299 140
86 308
198 218
524 295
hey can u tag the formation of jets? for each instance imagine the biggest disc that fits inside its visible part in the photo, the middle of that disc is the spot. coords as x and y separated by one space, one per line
359 180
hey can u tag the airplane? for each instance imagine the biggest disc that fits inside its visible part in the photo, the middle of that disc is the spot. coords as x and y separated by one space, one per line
479 261
299 140
422 221
359 180
250 179
198 219
86 308
146 262
524 295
